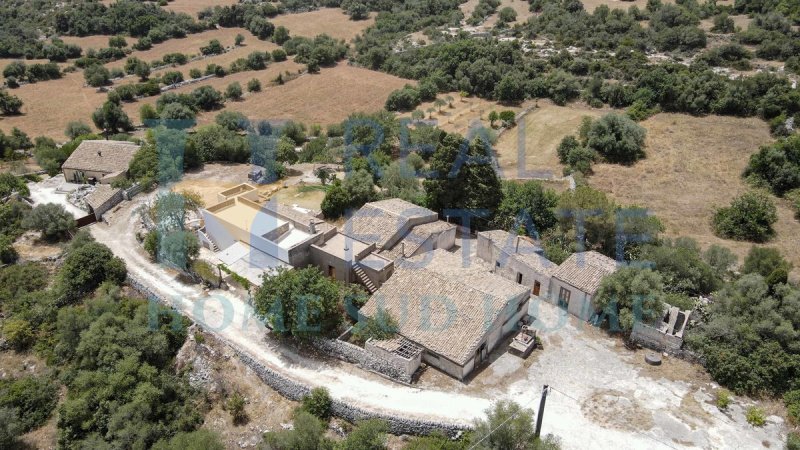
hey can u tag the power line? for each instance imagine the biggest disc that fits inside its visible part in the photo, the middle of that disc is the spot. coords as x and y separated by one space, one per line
503 424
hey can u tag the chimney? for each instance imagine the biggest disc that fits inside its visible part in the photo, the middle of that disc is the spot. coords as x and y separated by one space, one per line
99 153
516 249
403 249
312 226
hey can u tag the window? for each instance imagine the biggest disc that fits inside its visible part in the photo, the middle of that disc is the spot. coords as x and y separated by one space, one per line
519 277
563 297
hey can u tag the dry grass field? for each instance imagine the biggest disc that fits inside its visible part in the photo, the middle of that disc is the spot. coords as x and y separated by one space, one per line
224 59
693 165
190 45
465 113
96 42
192 7
265 76
324 98
6 61
50 105
590 5
331 21
520 6
544 128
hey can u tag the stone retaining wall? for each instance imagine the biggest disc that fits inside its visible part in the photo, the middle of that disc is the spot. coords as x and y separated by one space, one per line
398 425
294 390
361 357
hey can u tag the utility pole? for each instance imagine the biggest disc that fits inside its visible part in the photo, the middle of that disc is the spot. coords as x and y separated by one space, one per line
540 416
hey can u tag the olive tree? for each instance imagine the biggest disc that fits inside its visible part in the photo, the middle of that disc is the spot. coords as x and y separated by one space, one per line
53 221
617 138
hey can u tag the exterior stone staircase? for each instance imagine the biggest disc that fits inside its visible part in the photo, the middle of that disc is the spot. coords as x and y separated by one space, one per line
364 279
214 246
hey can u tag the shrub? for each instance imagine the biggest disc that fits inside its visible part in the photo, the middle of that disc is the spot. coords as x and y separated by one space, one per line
8 254
53 221
749 218
234 91
381 327
279 55
171 77
617 138
318 403
404 99
213 48
235 406
793 441
97 75
19 333
207 98
794 201
755 416
723 399
254 85
195 73
792 401
34 399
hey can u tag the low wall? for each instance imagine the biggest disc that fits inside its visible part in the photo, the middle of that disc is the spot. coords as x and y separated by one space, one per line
366 360
294 390
652 338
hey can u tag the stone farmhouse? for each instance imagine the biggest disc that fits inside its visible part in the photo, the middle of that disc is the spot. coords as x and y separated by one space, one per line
451 313
457 315
570 285
99 162
376 236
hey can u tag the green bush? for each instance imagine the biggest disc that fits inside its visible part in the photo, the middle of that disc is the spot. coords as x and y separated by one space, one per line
794 201
318 403
34 399
381 327
235 406
792 401
53 221
749 218
756 417
208 274
723 399
19 333
793 441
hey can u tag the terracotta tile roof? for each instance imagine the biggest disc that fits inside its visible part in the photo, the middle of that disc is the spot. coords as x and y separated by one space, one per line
585 270
101 194
412 241
525 251
442 306
380 222
101 156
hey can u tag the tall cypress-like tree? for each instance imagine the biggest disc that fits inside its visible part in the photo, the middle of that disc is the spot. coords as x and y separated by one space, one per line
464 180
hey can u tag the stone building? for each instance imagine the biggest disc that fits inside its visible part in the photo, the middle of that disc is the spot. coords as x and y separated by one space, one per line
99 162
456 314
576 280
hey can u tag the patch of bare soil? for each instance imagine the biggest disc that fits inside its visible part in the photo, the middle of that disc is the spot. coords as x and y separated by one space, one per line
46 436
615 409
331 21
31 248
15 365
213 367
671 368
